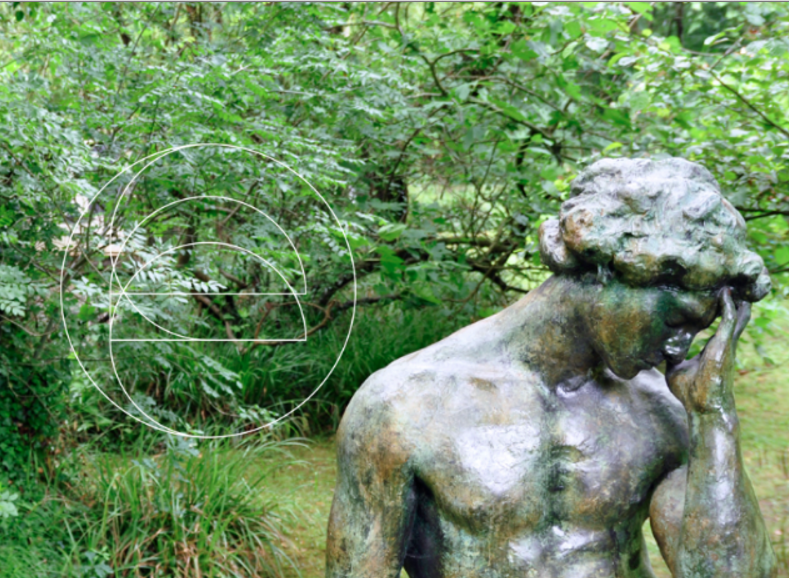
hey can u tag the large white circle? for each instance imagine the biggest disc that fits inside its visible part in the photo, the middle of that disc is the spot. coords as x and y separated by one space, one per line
155 157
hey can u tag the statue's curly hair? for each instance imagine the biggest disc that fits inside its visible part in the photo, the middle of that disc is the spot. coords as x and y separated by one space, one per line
653 223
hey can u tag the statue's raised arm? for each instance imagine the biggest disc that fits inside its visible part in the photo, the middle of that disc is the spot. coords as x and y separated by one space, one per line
537 441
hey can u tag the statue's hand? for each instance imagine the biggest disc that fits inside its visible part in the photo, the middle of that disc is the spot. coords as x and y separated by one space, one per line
704 383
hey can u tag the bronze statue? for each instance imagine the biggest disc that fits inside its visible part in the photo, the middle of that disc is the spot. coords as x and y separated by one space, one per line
537 441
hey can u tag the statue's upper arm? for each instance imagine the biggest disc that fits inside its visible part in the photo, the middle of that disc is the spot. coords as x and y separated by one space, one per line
666 515
373 504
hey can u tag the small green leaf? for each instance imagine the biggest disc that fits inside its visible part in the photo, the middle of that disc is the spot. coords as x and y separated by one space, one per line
601 25
424 292
573 29
505 27
521 50
596 43
711 39
568 50
639 7
462 92
391 231
573 90
86 312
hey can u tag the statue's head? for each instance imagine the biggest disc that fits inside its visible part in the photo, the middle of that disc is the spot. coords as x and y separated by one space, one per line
658 243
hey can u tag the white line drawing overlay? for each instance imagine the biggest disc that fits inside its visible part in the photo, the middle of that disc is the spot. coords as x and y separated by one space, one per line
123 294
223 198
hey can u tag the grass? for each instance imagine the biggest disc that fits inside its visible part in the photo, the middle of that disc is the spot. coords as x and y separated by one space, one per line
186 514
762 393
33 546
182 512
309 484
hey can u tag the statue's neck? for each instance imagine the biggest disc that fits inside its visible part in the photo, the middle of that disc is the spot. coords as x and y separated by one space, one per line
546 332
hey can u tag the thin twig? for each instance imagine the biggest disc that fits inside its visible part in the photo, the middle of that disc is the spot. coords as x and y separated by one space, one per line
765 214
499 111
727 52
433 74
750 105
27 330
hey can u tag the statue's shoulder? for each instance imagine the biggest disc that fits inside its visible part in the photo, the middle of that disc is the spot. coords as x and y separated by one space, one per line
418 390
380 419
435 371
403 383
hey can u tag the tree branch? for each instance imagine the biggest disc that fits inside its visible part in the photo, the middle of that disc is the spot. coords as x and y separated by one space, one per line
366 301
766 214
432 67
499 111
218 314
748 104
234 279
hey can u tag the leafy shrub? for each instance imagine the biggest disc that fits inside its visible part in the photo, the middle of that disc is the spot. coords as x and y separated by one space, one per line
32 403
441 137
185 513
251 389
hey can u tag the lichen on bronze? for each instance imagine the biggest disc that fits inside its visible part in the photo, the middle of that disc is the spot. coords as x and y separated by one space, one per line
536 442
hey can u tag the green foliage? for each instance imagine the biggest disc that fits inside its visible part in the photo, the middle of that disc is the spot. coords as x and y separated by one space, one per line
8 504
33 540
441 135
186 512
32 404
189 513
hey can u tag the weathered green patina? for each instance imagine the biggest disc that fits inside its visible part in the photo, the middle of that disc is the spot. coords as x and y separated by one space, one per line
537 441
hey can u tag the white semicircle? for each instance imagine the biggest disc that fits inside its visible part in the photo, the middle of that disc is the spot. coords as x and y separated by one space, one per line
231 199
180 337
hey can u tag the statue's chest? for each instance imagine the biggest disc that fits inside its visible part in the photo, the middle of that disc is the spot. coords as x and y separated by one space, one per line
579 461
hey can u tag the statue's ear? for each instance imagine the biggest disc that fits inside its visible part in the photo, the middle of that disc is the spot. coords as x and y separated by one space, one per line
553 251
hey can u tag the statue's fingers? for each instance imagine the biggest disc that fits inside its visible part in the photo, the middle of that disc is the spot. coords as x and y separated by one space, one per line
744 313
728 319
728 312
717 344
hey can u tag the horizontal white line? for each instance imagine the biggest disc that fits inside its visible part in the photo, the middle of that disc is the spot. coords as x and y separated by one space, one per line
206 294
202 340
